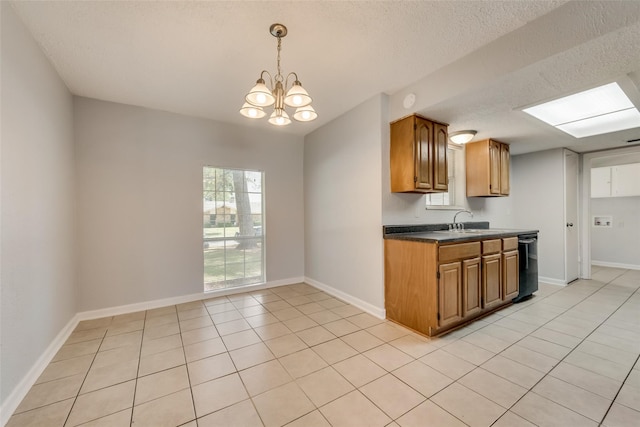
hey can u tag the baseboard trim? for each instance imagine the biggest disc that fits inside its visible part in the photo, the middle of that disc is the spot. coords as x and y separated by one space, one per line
552 281
615 265
20 391
163 302
378 312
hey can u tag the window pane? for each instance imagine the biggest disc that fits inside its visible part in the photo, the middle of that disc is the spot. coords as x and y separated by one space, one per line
448 198
233 237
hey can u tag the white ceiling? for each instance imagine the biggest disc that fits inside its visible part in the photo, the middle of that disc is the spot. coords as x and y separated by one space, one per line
471 64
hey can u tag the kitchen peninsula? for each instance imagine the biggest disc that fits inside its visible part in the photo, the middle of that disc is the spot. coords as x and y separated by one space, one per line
437 279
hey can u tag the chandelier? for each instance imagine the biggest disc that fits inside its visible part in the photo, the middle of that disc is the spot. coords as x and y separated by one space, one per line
261 95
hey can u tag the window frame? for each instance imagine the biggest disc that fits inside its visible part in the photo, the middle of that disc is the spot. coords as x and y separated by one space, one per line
457 173
228 234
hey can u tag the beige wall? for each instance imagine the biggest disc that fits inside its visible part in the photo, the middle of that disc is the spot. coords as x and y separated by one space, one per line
343 224
537 189
139 186
617 245
38 288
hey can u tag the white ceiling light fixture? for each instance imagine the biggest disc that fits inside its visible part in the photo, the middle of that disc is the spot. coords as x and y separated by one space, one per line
596 111
462 136
261 95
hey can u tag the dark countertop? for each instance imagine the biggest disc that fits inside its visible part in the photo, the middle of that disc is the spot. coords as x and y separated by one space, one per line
439 233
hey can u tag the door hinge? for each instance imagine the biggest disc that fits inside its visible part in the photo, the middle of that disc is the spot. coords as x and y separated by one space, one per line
438 315
438 275
415 179
415 126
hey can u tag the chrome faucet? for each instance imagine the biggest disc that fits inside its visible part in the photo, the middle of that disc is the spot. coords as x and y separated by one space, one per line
457 226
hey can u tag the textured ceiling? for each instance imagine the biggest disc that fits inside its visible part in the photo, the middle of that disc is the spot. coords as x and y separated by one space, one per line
200 58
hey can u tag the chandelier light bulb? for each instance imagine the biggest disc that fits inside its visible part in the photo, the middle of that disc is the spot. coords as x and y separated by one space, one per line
251 111
279 118
305 114
297 96
260 95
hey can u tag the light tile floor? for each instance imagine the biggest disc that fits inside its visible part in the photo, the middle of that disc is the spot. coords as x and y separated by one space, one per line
296 356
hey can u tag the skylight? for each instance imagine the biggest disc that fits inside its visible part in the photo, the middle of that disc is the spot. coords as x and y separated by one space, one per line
603 109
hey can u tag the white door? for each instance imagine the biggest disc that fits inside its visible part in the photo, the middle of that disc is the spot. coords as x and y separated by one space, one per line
572 245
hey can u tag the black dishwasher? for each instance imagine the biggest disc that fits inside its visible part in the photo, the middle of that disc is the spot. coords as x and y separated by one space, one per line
528 254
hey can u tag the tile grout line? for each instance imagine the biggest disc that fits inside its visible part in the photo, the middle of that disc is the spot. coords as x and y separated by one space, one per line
235 367
75 399
186 366
619 390
511 345
573 349
637 291
295 380
135 386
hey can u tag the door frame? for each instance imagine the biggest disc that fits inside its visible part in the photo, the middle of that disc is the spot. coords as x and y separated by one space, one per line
568 153
585 202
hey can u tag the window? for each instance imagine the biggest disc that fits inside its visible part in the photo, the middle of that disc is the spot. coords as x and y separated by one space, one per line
454 198
232 227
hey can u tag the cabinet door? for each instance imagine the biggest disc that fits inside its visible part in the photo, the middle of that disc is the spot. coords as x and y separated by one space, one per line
440 147
494 167
504 169
491 280
601 182
625 180
424 154
471 287
449 294
510 274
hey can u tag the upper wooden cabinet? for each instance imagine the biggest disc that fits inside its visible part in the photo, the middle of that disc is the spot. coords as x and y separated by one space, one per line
418 153
487 164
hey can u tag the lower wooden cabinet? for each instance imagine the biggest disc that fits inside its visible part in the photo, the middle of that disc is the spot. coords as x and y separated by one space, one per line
471 287
450 294
492 280
510 274
432 288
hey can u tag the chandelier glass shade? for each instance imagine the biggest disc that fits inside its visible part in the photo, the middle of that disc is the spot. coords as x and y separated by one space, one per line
278 93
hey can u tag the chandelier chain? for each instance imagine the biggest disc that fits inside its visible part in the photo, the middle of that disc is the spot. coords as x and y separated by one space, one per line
279 75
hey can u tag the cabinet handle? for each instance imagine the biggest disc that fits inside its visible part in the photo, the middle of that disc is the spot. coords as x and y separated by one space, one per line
569 224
